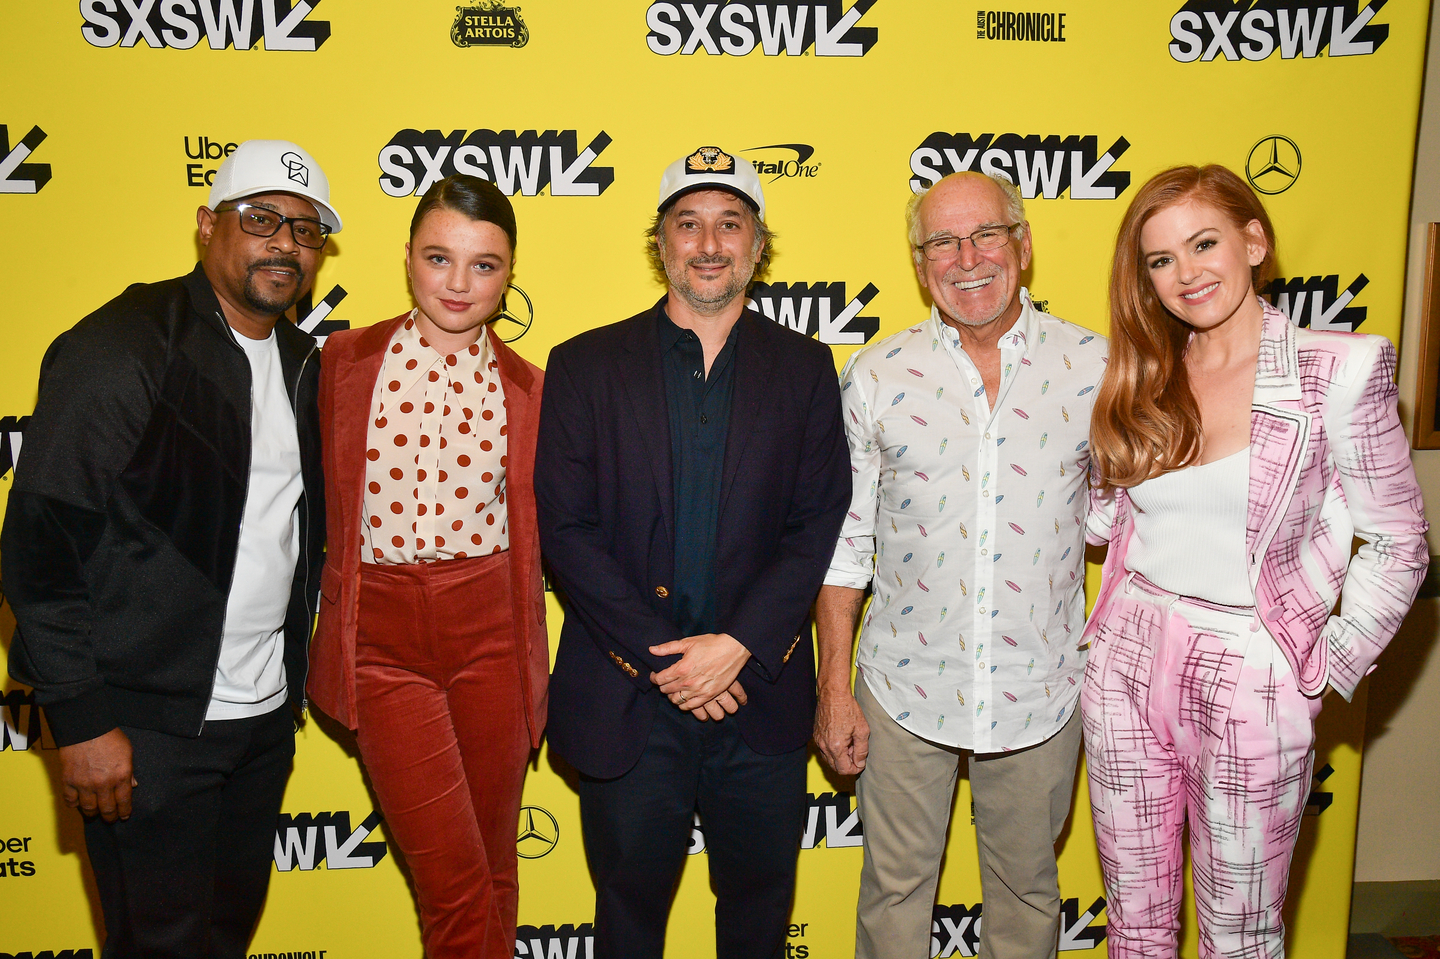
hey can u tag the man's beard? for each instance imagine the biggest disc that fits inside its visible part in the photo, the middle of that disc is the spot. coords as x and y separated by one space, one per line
262 302
714 301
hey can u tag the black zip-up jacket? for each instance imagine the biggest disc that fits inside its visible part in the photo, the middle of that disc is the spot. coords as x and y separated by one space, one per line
124 517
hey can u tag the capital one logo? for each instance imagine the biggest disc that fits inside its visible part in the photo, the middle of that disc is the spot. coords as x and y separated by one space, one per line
180 24
305 840
51 954
955 930
518 163
821 310
17 176
778 29
1256 29
1043 166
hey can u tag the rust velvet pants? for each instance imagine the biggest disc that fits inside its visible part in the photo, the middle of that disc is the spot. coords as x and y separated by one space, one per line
443 736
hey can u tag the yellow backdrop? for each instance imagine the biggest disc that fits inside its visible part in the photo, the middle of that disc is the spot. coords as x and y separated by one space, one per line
115 113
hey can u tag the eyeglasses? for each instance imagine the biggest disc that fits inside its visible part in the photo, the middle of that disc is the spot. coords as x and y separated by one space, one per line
983 239
258 221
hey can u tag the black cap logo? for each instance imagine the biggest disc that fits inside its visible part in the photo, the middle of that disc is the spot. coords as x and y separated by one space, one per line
295 168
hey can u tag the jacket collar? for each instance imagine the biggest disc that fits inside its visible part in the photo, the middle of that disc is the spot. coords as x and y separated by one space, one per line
294 344
1277 368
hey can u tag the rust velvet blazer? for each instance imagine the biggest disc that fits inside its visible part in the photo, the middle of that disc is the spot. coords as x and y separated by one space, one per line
349 366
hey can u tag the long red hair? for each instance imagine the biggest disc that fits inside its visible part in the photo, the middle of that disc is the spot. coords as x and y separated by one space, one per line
1146 420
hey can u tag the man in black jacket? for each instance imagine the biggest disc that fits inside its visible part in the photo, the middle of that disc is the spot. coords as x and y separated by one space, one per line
691 462
162 546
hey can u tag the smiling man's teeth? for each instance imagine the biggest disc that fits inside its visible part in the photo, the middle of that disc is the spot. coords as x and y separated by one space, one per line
1199 293
974 284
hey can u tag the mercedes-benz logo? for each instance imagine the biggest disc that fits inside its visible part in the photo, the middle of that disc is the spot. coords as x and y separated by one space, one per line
295 168
539 833
1273 165
514 321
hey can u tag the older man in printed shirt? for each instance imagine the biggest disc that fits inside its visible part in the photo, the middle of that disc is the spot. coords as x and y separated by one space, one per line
969 448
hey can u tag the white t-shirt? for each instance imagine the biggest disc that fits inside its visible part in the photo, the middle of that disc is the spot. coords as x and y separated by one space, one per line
250 677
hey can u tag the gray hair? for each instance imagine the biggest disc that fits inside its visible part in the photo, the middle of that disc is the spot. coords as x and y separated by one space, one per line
1014 204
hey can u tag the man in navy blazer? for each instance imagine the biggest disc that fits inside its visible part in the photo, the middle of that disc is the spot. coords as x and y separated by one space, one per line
691 478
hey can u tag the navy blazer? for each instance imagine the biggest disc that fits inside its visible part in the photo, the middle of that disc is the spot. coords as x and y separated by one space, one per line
605 501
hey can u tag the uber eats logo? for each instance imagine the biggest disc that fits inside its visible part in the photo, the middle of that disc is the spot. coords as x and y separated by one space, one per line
1043 166
821 310
305 840
524 163
1257 29
569 941
955 929
778 29
182 24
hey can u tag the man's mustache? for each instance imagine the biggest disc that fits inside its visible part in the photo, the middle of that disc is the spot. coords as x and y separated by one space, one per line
282 262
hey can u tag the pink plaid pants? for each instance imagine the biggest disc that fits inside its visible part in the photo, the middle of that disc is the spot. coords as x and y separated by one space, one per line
1191 712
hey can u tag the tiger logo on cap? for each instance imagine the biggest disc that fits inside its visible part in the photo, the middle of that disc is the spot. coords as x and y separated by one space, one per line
709 160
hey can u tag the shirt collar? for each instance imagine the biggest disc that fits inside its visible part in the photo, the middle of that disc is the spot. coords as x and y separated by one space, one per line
1026 329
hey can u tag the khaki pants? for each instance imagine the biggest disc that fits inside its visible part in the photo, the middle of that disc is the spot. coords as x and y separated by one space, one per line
1021 802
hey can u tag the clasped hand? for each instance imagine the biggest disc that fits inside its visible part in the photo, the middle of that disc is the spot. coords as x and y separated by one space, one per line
703 683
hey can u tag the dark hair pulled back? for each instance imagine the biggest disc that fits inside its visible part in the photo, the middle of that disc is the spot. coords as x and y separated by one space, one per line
474 197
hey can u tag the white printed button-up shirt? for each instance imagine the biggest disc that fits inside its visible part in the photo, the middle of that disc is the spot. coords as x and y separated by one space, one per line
969 518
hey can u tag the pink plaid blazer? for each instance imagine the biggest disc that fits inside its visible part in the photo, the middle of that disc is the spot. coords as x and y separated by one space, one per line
1329 461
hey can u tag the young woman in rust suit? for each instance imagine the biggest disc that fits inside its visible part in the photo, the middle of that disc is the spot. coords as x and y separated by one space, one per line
431 642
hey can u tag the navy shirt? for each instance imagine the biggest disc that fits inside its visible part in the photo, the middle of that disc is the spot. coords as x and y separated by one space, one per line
699 409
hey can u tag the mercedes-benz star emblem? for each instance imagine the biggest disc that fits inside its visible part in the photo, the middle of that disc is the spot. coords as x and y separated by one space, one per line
539 832
295 168
514 319
1273 165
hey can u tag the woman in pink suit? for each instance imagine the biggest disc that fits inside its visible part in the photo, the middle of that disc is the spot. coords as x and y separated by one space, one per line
431 642
1235 456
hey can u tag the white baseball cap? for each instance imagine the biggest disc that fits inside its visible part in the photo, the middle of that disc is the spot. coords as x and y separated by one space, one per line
711 168
274 166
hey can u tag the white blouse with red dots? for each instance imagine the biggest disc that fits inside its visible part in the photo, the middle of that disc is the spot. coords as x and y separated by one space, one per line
436 452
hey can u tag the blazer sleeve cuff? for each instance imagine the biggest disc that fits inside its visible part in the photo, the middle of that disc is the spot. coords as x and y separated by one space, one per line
80 718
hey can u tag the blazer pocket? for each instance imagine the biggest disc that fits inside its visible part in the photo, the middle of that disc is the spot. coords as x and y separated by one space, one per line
330 584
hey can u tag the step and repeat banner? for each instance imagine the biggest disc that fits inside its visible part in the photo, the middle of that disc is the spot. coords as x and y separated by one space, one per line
116 114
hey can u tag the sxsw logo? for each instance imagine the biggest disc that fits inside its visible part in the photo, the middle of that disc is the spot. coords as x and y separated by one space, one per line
555 942
315 320
51 954
955 930
17 176
12 435
831 820
737 28
1320 798
1318 302
24 723
179 24
524 163
305 840
821 310
1039 166
1255 29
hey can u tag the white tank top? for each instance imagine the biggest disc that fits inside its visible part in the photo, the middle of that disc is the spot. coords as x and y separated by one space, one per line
1190 531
